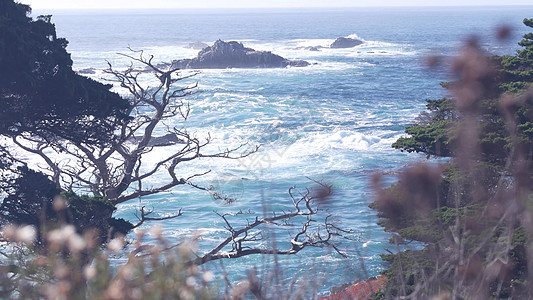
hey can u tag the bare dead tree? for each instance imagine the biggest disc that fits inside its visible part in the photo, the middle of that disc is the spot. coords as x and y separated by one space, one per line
116 171
243 241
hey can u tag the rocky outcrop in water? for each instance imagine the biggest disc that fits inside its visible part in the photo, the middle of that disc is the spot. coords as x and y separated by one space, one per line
233 54
87 71
159 141
197 45
343 42
309 48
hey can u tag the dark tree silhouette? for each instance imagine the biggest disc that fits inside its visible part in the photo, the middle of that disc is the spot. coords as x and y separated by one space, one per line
40 94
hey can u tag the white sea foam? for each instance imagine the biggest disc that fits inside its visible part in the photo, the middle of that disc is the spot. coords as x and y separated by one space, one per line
169 53
289 49
351 140
296 48
369 243
292 49
356 37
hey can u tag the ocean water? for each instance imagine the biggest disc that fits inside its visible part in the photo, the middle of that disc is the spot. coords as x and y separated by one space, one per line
333 121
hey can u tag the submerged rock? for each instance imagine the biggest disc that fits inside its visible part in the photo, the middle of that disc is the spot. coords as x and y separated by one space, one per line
159 141
87 71
197 45
233 54
343 42
310 48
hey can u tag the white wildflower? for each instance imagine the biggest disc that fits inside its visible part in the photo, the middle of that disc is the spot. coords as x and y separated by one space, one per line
115 245
62 235
139 233
26 234
208 276
156 231
68 231
185 294
116 290
9 232
56 237
61 271
60 203
191 281
127 272
193 270
136 293
240 289
89 272
76 243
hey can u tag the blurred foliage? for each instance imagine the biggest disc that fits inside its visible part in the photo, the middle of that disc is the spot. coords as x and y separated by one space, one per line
435 132
471 213
61 270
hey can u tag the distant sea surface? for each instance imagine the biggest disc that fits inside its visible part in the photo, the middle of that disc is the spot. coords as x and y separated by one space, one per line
333 121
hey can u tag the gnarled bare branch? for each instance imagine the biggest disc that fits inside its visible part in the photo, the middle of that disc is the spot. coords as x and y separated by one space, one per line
240 241
117 170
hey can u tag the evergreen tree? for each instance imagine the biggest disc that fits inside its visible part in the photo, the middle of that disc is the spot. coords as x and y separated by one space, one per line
42 97
472 213
39 92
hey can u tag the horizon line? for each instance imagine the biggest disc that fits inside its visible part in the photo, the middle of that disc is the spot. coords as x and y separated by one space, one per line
282 7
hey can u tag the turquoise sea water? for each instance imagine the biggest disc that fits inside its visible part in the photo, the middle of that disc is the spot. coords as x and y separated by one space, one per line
333 121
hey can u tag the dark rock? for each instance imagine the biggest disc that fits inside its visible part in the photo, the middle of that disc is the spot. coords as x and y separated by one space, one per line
298 63
343 42
161 66
159 141
87 71
233 54
197 45
310 48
